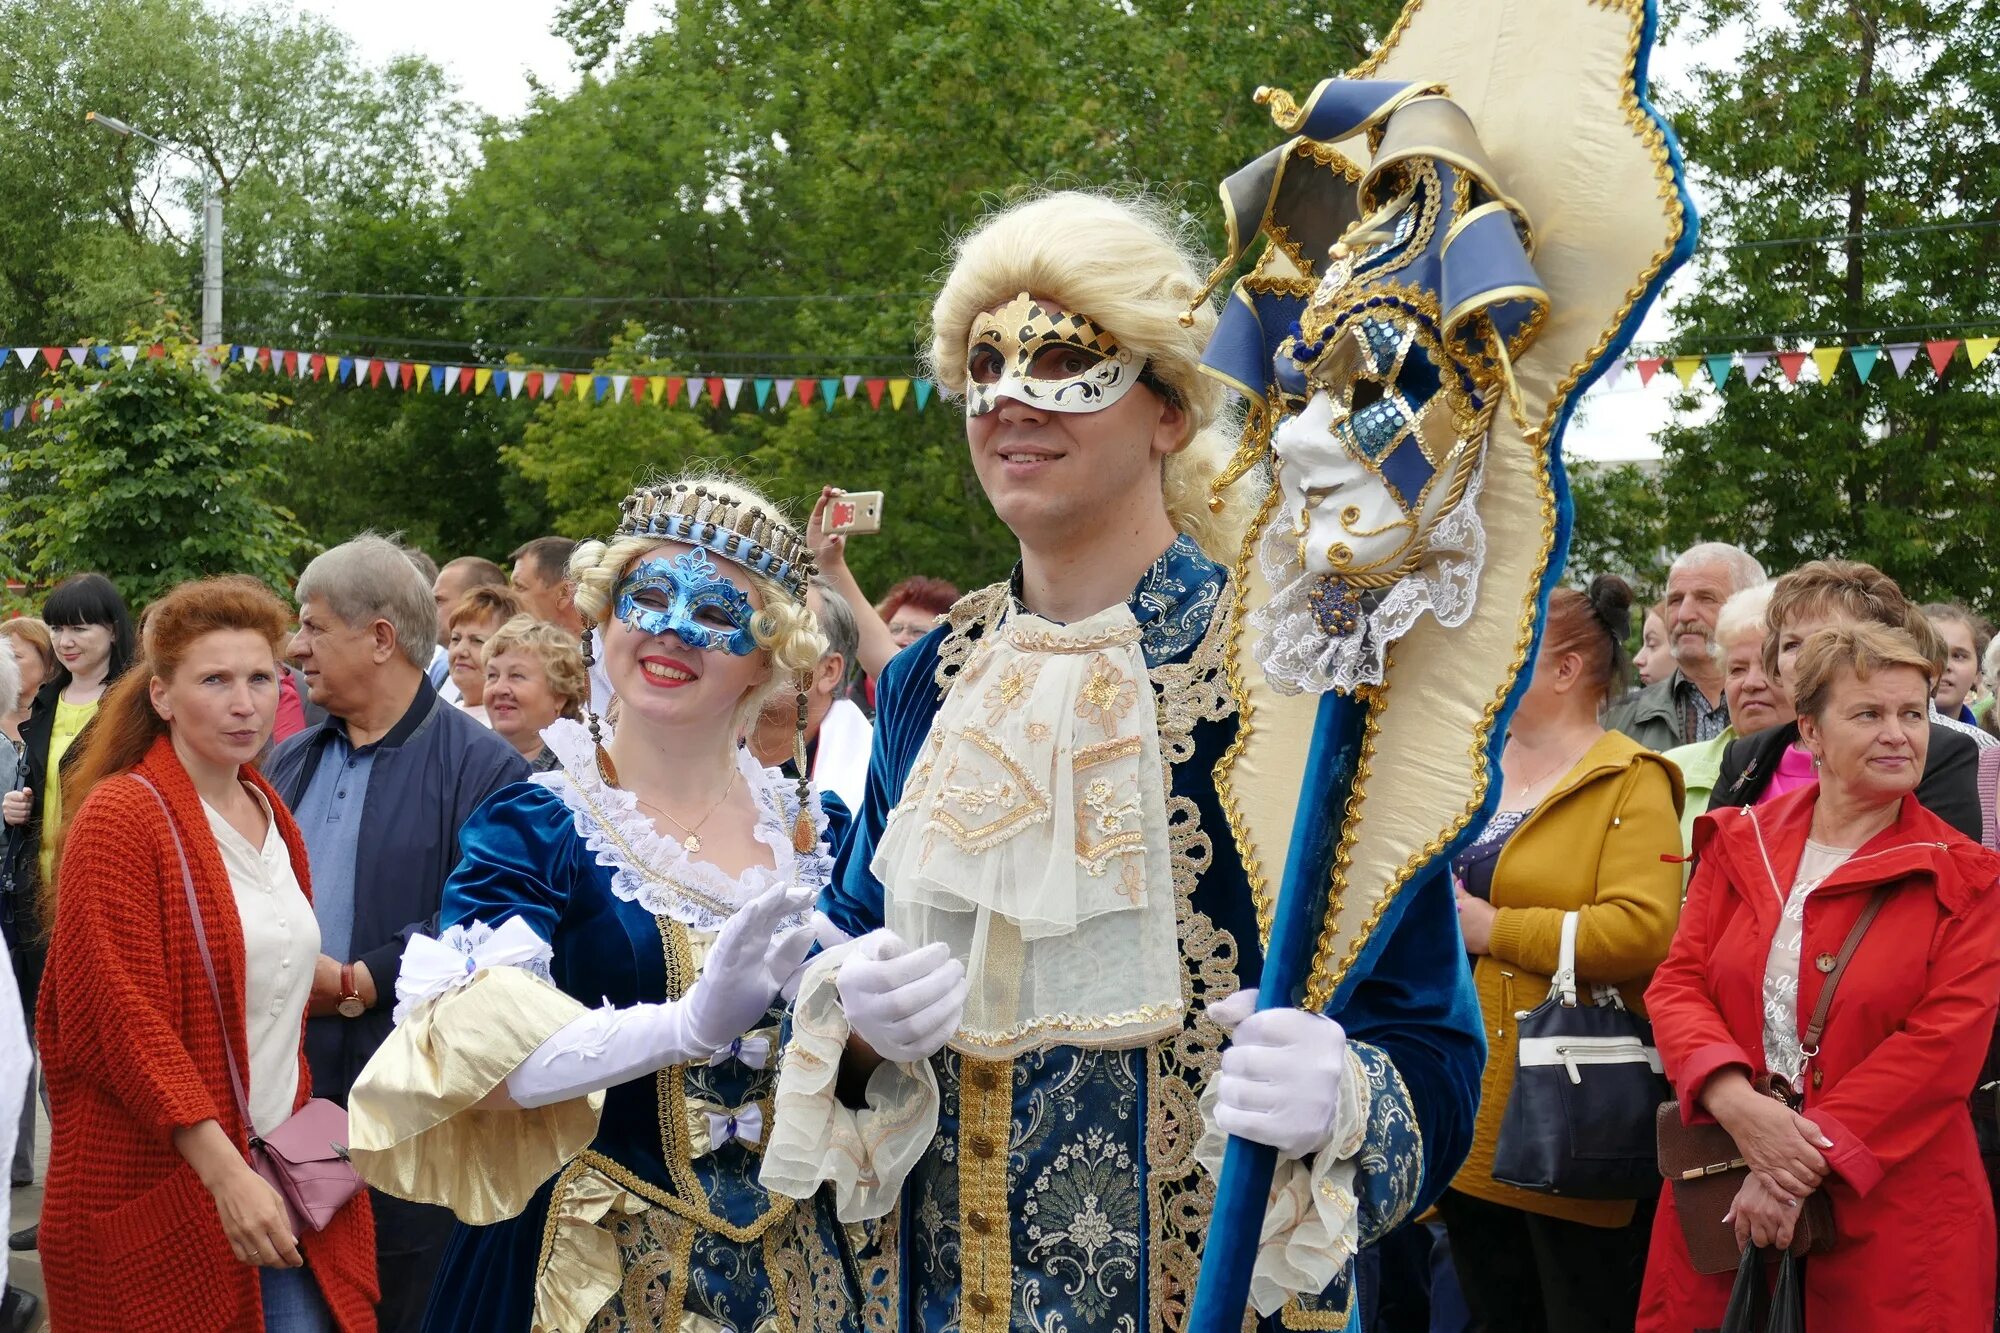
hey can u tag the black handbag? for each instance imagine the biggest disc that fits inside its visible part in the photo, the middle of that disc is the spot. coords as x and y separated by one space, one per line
1587 1085
1753 1309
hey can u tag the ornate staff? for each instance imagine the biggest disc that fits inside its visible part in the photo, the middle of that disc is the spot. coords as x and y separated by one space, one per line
1458 238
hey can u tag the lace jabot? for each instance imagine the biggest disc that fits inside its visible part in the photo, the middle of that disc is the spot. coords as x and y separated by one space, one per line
652 868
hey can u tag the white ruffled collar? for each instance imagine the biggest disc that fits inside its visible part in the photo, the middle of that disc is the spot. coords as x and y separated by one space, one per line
652 868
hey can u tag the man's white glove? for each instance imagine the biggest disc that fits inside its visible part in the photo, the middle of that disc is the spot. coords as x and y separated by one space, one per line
747 967
1281 1076
904 1003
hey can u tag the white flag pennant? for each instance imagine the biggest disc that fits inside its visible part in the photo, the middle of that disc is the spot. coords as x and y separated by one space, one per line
131 353
77 354
785 388
1612 374
730 389
517 382
849 383
1753 365
27 355
618 383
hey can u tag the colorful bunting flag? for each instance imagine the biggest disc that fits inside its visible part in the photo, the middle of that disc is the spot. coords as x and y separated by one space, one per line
480 379
130 352
1826 360
898 391
924 393
1864 358
714 392
849 383
1978 349
1613 372
763 388
1719 368
76 355
27 355
618 383
732 389
1753 365
829 389
785 388
675 384
1685 368
806 390
1792 363
53 355
1940 353
1900 356
1649 366
639 383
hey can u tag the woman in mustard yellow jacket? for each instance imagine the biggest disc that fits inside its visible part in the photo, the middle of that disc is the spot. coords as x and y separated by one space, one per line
1585 817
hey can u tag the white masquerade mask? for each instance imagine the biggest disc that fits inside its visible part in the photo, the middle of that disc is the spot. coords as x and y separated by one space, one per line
1046 357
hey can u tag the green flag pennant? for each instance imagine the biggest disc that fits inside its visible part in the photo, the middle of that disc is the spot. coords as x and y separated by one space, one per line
763 388
1865 358
1719 368
829 389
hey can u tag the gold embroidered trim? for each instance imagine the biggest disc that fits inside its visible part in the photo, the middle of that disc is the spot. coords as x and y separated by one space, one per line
609 828
1044 641
1295 1315
975 609
986 1255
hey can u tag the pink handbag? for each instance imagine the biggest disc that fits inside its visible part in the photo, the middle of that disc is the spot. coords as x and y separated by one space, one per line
305 1159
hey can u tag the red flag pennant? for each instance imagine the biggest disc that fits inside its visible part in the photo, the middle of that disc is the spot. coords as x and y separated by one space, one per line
35 410
375 374
157 350
263 358
1649 366
52 355
318 365
407 374
674 386
534 384
564 384
714 392
875 389
1792 363
807 388
638 388
465 377
291 364
1941 353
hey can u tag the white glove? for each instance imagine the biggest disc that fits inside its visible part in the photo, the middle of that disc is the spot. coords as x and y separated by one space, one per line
904 1003
746 968
1281 1075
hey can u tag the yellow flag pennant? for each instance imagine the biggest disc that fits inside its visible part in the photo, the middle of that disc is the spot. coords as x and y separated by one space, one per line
582 387
1684 369
656 386
1826 360
480 379
1978 349
423 376
898 391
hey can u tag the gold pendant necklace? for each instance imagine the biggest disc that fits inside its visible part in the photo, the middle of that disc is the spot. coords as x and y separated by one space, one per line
691 833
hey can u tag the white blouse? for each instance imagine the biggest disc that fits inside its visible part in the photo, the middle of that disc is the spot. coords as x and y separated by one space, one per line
280 948
1783 1050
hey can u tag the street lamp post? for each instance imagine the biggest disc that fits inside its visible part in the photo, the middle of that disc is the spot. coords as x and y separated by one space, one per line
211 225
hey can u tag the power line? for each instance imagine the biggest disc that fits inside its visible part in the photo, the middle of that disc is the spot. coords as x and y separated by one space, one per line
476 299
1977 224
815 360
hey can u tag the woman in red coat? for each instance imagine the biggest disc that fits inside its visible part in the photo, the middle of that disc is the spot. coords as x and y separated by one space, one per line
1883 1128
154 1218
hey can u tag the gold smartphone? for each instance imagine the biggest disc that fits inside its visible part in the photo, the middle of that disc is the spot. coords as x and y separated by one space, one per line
854 512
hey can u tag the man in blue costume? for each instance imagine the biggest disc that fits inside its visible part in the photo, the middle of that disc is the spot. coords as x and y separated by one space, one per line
1023 1045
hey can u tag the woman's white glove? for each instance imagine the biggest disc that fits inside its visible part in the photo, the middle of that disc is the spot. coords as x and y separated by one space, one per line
747 967
1281 1076
904 1003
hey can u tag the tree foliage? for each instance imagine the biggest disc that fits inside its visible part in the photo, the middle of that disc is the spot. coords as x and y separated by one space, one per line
150 473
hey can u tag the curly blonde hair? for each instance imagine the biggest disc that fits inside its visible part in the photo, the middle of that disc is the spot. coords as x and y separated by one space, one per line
1126 261
784 627
561 659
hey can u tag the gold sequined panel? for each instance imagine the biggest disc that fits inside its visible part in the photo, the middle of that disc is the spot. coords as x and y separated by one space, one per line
986 1115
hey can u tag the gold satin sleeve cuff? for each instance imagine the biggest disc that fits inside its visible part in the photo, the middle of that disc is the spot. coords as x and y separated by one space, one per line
415 1125
814 1139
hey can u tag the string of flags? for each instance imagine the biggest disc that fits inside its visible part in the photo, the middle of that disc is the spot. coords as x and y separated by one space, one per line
1863 358
503 381
727 391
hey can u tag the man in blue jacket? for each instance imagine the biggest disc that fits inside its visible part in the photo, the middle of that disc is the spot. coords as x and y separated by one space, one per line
380 790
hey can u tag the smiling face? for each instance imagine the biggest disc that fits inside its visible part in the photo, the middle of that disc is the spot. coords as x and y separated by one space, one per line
519 702
1051 472
679 646
1872 734
223 699
84 649
1755 701
466 647
1961 666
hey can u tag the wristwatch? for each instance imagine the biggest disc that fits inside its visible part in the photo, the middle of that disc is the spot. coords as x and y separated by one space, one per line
350 1005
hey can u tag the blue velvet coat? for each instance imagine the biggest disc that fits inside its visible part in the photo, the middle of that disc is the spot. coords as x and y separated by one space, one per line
1063 1192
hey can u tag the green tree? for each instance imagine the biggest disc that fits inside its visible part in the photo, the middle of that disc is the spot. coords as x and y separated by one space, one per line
1621 526
150 474
1872 121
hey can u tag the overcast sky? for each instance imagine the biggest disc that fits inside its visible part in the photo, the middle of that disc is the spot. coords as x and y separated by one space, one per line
492 47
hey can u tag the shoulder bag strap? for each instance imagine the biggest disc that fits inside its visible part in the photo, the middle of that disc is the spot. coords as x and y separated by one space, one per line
1853 942
207 963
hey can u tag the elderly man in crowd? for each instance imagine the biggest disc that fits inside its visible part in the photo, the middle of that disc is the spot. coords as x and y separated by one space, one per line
541 580
838 734
1688 704
379 789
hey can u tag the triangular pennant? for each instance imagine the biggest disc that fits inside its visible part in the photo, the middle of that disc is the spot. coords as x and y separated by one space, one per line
552 384
675 383
343 370
104 355
480 379
77 354
1826 360
371 370
318 366
130 352
1719 368
533 379
27 355
1753 365
1900 356
1649 366
714 392
564 383
500 381
409 374
849 383
1614 370
806 390
829 390
898 391
156 351
618 383
394 370
599 384
466 376
437 379
288 363
263 358
1978 349
785 388
924 392
1685 368
1865 357
656 385
732 389
639 383
763 388
1940 353
53 355
581 386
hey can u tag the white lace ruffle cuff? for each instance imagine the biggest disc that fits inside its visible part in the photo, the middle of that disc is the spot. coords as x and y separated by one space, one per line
866 1154
1312 1225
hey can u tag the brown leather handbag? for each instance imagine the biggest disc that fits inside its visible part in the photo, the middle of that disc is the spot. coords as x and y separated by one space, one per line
1706 1171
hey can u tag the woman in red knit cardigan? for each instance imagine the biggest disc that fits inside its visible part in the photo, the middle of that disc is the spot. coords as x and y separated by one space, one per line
153 1217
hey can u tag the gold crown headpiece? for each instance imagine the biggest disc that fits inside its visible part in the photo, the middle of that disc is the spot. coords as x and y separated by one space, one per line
736 531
